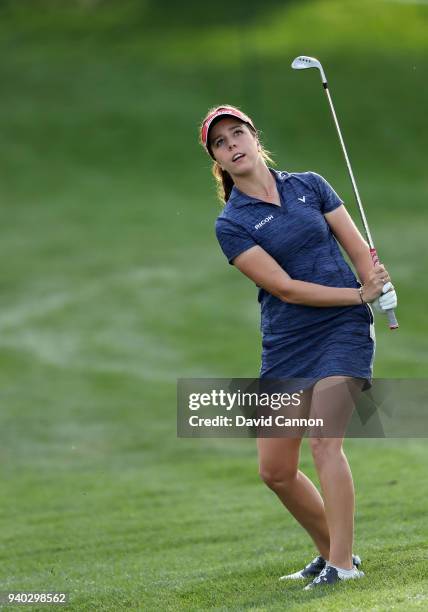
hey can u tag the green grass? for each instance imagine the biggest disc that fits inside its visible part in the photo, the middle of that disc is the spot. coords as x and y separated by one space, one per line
113 286
115 523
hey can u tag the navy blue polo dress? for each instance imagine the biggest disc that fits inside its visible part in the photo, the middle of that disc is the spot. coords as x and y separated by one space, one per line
301 342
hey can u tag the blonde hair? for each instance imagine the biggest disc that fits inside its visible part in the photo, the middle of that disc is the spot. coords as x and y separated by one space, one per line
223 179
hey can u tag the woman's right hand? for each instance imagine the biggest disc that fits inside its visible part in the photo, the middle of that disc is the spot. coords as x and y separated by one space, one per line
372 288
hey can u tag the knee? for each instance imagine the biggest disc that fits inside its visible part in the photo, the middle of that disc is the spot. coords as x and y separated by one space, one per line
278 477
324 449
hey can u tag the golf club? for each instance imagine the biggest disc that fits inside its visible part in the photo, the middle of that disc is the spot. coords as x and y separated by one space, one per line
301 63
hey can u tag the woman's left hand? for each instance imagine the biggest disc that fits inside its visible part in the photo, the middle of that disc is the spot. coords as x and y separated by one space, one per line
387 301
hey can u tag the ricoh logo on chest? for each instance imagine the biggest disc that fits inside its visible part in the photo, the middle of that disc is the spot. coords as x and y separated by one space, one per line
263 222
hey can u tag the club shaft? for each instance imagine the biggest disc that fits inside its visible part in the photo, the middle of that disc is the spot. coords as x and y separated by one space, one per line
393 324
351 174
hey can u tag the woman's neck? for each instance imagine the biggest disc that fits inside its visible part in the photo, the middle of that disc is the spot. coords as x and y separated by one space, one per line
259 184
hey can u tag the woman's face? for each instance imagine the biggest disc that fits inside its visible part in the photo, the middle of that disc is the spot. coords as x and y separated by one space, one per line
234 146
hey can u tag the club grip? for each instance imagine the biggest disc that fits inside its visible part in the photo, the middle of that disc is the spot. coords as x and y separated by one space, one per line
392 319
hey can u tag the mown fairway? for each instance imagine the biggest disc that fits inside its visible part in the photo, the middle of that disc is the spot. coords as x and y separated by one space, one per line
113 286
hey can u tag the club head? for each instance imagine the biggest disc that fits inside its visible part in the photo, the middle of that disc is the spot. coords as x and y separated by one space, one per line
303 61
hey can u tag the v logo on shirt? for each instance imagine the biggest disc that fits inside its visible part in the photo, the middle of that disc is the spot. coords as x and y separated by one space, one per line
302 199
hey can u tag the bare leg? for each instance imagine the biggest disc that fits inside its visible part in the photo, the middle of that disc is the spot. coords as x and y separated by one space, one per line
333 399
278 461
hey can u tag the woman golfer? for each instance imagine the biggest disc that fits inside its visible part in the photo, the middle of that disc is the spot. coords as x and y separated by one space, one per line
282 230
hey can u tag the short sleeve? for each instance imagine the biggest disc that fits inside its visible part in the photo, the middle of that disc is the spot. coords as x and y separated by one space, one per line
233 239
328 197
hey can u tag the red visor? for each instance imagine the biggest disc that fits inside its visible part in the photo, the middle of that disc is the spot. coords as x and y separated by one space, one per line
226 111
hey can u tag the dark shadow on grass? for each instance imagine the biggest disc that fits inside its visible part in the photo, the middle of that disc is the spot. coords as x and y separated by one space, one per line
135 15
201 15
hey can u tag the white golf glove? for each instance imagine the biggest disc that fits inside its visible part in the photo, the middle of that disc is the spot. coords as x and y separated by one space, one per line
387 301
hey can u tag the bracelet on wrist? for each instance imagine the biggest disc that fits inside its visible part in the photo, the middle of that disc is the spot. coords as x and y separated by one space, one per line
360 292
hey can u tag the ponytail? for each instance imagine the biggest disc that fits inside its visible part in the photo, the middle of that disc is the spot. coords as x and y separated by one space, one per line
224 182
